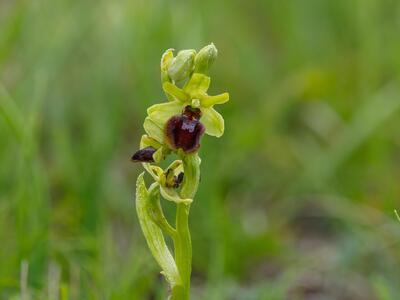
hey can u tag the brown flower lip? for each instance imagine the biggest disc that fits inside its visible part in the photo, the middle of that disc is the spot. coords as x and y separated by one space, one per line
144 155
184 131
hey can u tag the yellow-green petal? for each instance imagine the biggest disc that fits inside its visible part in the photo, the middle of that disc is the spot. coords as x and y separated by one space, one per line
175 92
213 122
171 194
209 101
197 85
161 113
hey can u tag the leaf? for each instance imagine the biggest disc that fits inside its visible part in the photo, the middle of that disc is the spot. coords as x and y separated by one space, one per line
153 234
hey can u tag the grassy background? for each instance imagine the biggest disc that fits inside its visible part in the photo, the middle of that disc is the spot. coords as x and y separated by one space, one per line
296 200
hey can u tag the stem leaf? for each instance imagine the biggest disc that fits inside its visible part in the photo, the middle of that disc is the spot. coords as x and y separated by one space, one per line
153 234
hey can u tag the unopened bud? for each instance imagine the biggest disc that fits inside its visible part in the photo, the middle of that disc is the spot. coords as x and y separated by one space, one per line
166 60
181 66
205 58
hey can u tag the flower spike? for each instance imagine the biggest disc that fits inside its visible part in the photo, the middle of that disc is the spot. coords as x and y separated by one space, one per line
176 126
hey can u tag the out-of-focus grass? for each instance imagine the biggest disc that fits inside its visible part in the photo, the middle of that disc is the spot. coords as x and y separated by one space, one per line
297 198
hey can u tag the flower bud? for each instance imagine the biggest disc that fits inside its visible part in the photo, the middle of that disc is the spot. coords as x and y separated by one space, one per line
166 59
205 58
181 66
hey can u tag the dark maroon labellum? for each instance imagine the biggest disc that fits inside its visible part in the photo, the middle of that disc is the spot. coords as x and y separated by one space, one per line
184 131
144 155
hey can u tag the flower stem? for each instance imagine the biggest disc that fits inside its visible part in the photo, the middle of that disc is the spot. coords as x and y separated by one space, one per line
182 240
183 247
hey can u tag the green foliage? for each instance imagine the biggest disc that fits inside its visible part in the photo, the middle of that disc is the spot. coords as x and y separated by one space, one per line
299 195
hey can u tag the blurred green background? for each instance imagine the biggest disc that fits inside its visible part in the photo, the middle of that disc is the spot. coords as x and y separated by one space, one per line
296 199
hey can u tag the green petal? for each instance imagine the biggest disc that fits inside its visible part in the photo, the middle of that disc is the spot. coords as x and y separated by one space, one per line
174 91
153 130
172 195
213 122
161 113
209 101
198 84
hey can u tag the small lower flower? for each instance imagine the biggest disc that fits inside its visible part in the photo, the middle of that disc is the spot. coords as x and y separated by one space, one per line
168 180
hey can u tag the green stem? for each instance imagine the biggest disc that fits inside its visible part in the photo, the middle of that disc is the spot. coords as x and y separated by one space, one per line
182 240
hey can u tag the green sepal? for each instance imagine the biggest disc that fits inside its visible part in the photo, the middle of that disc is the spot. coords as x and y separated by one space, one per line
213 122
154 130
147 141
161 113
